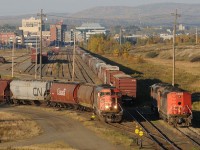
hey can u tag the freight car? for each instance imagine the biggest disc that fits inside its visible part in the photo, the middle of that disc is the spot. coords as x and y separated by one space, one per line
172 104
4 90
111 75
102 99
28 92
33 56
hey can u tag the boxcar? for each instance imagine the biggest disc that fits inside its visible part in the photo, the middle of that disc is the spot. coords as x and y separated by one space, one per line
127 86
110 76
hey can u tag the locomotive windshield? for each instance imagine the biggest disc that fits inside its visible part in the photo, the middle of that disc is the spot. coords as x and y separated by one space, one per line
104 93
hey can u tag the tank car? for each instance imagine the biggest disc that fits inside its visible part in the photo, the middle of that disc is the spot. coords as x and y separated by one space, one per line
172 104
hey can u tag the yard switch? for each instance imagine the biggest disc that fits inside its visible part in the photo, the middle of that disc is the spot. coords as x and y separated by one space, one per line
92 117
141 133
137 132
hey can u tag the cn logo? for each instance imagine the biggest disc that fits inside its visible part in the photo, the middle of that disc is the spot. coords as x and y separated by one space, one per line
37 91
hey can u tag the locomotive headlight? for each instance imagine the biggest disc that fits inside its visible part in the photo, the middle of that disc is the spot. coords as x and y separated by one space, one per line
106 106
115 107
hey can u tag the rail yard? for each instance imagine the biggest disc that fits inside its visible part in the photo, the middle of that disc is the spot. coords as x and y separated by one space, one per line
85 93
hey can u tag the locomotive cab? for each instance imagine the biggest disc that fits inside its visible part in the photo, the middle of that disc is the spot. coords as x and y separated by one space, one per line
107 104
108 99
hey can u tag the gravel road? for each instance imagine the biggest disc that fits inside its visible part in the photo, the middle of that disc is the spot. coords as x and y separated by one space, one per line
58 128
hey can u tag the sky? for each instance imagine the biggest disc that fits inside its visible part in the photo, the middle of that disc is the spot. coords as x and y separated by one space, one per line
18 7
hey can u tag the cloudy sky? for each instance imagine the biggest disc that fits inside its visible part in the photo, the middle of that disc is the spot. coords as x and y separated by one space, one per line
16 7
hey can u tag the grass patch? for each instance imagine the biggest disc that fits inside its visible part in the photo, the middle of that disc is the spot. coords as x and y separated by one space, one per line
16 127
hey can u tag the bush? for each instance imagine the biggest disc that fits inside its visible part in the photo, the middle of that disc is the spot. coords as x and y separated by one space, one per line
140 60
195 59
151 55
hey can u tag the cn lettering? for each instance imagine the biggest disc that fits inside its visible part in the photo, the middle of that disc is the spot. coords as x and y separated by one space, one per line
37 91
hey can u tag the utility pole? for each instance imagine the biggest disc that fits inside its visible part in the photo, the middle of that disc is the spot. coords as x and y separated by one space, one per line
196 35
41 20
120 41
74 56
13 49
36 59
174 45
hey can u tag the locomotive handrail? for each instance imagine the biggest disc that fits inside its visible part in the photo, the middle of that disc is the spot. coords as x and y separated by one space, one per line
190 111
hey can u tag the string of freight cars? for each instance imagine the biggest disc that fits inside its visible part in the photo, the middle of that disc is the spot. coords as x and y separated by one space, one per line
102 99
172 104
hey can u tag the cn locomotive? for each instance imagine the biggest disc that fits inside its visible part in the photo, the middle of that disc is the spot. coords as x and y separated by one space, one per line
102 99
172 104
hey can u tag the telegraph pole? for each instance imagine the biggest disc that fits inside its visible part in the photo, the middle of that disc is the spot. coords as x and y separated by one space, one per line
41 20
196 35
36 59
174 45
74 56
13 49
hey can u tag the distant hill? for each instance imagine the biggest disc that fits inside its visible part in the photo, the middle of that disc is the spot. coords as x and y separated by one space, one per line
151 14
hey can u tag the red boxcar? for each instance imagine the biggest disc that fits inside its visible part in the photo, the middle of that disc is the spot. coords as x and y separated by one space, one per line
4 90
110 75
44 58
64 93
127 86
105 69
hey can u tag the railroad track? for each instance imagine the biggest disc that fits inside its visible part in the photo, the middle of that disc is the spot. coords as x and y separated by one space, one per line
84 72
155 134
19 62
49 69
29 68
192 136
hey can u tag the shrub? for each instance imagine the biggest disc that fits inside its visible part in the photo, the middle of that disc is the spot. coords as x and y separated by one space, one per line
151 55
195 59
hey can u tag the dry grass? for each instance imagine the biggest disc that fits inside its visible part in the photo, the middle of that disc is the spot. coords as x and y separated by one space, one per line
16 127
50 146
